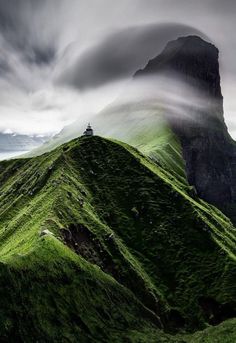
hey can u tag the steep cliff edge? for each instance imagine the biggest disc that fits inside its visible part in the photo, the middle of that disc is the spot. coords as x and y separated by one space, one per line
208 149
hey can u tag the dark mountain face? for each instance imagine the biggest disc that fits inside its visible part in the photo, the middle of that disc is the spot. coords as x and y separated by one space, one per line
208 149
192 57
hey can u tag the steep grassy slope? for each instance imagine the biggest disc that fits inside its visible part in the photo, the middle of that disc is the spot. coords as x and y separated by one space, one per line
162 225
130 249
162 146
52 295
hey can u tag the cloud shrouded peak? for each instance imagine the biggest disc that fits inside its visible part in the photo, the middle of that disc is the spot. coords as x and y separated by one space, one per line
62 60
120 54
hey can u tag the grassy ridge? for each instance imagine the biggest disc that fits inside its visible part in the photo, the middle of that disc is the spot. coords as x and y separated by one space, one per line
124 218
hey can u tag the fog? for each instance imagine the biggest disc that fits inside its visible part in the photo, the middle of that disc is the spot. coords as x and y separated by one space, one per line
145 104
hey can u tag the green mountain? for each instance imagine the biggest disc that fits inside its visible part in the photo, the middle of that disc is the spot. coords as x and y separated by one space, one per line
99 243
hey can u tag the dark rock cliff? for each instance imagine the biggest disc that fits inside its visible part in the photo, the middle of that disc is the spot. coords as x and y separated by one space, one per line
208 149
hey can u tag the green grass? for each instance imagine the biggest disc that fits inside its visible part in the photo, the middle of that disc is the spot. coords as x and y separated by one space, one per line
224 332
51 295
162 146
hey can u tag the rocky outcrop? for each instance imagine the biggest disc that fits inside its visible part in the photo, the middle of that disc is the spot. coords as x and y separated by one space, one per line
208 149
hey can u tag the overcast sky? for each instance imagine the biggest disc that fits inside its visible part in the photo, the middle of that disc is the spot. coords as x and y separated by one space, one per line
62 60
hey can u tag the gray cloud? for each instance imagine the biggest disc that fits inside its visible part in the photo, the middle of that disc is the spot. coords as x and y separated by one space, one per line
21 27
120 54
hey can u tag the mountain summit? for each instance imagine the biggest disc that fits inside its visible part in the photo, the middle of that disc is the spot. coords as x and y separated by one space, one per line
194 58
208 150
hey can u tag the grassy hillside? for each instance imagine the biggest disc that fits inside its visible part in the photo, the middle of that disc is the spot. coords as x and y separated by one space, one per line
99 243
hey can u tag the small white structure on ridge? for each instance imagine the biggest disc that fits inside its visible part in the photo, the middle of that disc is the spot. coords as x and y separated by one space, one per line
88 131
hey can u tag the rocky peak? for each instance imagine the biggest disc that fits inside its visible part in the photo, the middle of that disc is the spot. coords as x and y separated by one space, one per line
208 150
194 58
